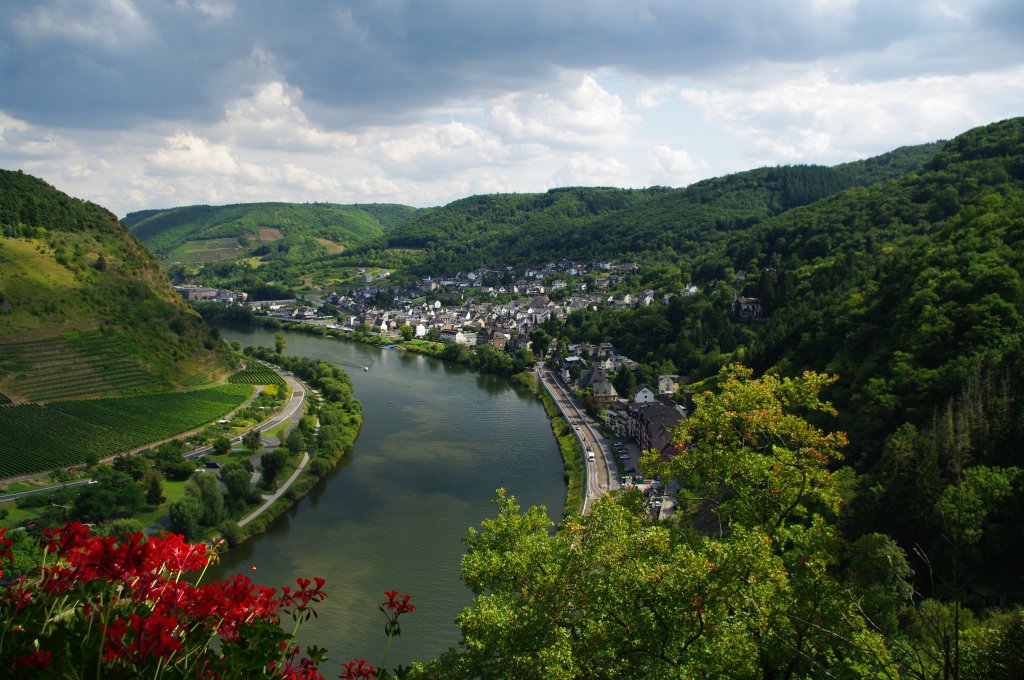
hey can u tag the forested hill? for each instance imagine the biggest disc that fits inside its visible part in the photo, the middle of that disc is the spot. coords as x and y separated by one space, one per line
598 223
299 230
912 293
84 308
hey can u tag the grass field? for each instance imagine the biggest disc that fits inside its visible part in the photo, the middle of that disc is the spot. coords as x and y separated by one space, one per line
44 437
205 250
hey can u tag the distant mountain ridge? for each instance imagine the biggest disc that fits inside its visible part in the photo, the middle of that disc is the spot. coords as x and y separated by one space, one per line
84 308
597 222
205 233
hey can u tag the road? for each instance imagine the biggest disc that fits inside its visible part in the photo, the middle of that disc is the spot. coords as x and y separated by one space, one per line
293 407
601 473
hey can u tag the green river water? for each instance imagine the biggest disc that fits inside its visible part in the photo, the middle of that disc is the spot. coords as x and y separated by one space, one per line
436 442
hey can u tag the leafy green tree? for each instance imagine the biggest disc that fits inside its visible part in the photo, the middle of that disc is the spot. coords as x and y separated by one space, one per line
279 342
407 331
237 484
204 488
755 593
272 462
540 341
295 442
221 445
133 466
115 494
185 515
251 441
153 483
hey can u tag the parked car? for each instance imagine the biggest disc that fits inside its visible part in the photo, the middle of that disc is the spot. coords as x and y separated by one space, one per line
629 469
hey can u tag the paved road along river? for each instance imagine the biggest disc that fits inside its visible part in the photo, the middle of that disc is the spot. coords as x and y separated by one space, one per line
436 442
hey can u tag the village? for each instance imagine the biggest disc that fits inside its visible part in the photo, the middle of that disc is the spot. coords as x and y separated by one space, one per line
501 308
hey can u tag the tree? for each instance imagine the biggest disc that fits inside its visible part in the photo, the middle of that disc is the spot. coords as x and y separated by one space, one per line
252 441
272 463
279 342
221 445
407 331
754 594
153 483
237 484
540 340
133 466
184 515
625 383
295 442
114 494
204 488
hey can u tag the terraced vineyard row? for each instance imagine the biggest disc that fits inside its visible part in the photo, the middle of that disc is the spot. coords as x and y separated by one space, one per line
69 366
256 375
43 437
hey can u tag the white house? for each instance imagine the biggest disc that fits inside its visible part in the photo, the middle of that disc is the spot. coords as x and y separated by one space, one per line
644 395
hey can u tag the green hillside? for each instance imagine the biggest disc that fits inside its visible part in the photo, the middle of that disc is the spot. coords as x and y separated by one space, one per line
204 233
599 223
84 308
912 293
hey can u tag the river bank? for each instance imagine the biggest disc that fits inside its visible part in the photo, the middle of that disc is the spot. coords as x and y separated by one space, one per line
572 456
436 441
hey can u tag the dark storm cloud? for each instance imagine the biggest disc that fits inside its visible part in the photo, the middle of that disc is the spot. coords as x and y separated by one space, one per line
111 63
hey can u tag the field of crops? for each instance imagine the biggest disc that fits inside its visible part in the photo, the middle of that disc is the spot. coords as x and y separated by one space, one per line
256 375
69 366
43 437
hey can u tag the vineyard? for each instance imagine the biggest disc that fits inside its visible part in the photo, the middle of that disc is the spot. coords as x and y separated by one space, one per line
256 375
43 437
69 366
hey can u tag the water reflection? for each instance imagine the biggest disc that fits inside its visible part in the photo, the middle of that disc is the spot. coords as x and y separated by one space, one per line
436 442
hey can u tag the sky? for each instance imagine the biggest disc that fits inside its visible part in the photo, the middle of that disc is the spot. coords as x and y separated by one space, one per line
137 104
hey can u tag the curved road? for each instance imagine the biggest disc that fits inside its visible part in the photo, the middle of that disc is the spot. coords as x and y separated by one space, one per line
601 474
294 405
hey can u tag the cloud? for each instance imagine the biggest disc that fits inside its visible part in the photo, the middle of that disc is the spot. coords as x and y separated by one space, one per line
673 167
187 154
583 117
585 170
270 117
814 118
108 24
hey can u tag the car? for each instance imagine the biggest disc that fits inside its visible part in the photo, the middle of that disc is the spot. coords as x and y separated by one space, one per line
629 469
624 456
213 464
577 427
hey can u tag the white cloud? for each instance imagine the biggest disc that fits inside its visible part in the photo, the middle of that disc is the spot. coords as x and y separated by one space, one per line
653 96
271 118
187 154
673 167
105 23
585 116
585 170
812 118
218 10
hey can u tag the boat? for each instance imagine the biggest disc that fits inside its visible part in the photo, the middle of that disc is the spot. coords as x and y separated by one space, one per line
366 368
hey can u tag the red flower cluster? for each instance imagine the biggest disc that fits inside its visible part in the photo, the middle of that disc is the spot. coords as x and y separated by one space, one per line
393 607
126 599
357 669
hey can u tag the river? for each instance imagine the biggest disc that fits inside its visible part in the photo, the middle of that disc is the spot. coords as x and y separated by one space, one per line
436 442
